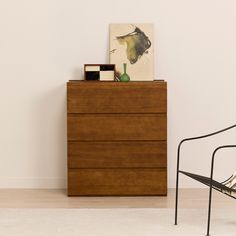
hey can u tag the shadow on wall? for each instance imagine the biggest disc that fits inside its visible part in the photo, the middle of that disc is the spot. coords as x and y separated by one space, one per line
49 137
78 73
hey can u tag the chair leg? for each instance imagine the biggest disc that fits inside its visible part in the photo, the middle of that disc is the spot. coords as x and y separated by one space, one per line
177 185
209 212
176 198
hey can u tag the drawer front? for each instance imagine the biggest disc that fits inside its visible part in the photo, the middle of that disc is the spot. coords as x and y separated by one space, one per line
117 182
116 127
117 97
117 154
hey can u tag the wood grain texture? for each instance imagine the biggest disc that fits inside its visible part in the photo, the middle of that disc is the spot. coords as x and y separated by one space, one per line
117 154
117 127
90 182
116 97
117 137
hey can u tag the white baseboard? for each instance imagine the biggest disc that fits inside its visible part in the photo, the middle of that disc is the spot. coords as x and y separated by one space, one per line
39 183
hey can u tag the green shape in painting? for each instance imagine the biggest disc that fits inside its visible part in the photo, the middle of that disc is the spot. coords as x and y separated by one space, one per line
124 77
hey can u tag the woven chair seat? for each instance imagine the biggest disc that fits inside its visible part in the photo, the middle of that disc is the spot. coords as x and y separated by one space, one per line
215 184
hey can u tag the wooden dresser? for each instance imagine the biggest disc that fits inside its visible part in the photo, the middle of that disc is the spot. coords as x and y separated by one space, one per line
117 138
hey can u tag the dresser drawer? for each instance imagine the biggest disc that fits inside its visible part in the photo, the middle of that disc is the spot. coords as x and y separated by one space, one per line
117 182
115 97
117 154
116 127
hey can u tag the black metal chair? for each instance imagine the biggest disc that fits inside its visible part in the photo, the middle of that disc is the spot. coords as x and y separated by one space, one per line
209 181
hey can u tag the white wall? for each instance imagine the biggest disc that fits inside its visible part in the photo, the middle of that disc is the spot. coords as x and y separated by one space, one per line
44 43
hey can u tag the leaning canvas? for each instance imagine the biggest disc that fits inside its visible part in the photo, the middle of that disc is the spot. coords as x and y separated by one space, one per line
133 44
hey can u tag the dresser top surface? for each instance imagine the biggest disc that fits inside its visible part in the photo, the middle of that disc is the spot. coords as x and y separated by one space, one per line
117 83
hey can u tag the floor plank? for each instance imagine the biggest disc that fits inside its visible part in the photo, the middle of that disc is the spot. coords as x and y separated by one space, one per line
45 198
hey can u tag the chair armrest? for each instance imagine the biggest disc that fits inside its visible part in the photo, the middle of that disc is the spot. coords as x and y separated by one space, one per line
214 154
199 137
207 135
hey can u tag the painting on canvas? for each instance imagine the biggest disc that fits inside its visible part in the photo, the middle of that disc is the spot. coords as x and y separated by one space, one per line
132 44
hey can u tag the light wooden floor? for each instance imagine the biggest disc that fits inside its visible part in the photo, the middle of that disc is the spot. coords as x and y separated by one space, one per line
44 198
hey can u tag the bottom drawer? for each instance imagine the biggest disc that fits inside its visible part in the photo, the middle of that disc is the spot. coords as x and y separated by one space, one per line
126 182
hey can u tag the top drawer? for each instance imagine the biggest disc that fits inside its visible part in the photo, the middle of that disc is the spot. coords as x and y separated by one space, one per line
116 97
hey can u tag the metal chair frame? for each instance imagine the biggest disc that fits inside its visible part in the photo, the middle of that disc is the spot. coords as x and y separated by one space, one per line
209 181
